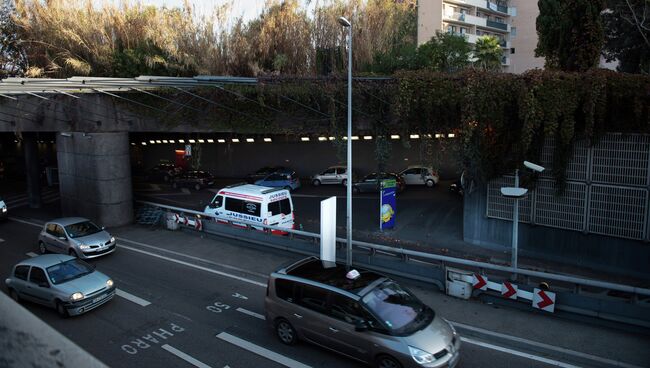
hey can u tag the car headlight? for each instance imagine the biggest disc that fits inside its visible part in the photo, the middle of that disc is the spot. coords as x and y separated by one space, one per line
109 283
421 356
76 296
4 209
112 239
84 246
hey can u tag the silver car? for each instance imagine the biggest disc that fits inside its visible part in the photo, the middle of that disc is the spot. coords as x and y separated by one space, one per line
333 175
75 236
420 175
66 283
361 314
3 210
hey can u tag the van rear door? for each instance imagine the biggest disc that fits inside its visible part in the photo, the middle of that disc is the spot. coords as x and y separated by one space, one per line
280 210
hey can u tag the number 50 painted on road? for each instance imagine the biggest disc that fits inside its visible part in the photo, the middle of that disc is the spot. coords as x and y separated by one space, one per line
217 307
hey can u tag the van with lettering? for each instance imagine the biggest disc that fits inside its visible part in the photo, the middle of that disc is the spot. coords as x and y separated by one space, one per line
248 204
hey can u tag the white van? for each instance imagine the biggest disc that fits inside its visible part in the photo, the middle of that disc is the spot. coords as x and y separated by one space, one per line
248 204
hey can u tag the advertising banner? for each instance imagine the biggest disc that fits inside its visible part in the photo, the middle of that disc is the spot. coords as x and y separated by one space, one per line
387 204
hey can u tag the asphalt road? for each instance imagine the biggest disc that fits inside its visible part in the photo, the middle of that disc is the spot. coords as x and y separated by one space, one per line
191 301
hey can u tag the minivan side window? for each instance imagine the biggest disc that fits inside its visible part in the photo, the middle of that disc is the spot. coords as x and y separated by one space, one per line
284 289
345 309
21 272
280 207
312 297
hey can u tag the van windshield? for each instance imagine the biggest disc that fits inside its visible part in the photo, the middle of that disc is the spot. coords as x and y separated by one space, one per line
401 311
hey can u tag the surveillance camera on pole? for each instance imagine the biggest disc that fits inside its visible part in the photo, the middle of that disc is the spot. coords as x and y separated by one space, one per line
534 167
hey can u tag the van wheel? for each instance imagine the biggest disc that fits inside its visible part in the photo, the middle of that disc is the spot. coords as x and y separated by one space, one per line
41 247
197 186
286 333
430 183
60 309
387 361
316 182
14 295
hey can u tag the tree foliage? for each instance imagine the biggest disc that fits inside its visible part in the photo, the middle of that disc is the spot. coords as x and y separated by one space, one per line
13 61
570 33
627 36
487 53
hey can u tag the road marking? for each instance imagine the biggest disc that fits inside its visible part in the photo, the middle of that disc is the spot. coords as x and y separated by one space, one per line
132 298
185 357
253 282
546 346
250 313
519 353
268 354
32 254
26 222
195 258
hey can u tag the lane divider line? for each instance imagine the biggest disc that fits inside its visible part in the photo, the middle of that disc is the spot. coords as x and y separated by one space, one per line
256 349
250 313
132 298
185 357
224 274
545 346
518 353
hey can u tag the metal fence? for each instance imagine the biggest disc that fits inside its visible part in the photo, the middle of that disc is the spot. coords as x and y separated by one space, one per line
607 190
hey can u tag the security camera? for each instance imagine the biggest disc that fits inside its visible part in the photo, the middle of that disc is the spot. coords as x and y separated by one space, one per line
512 192
66 134
534 167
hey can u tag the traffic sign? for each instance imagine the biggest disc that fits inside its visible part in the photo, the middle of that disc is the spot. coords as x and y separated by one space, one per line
509 290
480 282
544 300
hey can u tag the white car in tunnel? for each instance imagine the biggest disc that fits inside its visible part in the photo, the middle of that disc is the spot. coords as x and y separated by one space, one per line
332 175
420 175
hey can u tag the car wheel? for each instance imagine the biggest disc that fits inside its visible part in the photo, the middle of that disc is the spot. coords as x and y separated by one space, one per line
72 253
14 295
345 182
430 183
356 190
386 361
286 333
316 182
175 185
197 187
60 309
41 247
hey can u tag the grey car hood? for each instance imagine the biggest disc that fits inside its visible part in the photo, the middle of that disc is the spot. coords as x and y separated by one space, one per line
99 238
87 284
433 338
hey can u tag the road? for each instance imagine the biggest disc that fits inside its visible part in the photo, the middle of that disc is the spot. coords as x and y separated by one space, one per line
189 301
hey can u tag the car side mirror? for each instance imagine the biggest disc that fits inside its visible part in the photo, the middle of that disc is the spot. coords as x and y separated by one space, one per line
361 326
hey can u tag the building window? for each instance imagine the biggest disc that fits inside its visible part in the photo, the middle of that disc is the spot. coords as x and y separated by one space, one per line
463 30
512 50
513 32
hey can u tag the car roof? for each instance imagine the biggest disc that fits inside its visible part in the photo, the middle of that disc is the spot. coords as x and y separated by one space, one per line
419 167
332 274
46 260
65 221
250 189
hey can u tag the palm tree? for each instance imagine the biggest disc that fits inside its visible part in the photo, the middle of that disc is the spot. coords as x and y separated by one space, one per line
488 53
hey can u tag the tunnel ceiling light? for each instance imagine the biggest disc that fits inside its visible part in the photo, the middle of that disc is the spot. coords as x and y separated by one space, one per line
451 135
345 138
322 139
394 136
406 158
414 136
201 140
210 140
235 140
268 140
158 141
171 141
144 143
152 141
165 141
181 141
304 139
428 136
367 137
250 140
192 141
332 138
133 143
355 137
221 140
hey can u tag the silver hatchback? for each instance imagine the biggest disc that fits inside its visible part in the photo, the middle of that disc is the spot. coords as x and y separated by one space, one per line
75 236
66 283
361 314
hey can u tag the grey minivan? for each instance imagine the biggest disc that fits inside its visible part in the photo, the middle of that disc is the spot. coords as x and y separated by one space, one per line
75 236
361 314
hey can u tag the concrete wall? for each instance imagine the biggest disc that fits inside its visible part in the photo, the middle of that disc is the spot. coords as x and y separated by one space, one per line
307 158
95 177
623 256
429 19
525 40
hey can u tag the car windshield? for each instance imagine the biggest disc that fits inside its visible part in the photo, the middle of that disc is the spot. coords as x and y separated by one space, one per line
69 270
402 312
82 229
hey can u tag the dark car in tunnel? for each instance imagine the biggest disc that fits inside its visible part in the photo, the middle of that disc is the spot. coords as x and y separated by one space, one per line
193 179
264 172
372 182
164 171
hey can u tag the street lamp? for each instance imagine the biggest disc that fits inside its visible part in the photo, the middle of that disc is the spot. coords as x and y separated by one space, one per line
346 23
517 193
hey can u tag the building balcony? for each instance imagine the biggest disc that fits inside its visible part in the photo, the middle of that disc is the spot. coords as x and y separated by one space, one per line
482 4
497 25
465 18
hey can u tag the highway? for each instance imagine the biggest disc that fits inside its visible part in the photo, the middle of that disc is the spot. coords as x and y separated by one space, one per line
190 301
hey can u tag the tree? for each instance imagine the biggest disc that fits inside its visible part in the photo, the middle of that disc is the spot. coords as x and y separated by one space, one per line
488 53
627 35
570 33
13 61
445 52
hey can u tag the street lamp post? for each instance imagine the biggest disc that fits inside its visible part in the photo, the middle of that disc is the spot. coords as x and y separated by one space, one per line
346 23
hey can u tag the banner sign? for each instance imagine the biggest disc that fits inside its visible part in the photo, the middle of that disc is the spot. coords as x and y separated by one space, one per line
387 204
188 150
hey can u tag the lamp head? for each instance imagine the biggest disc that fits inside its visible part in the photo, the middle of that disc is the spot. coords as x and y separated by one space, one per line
344 22
534 167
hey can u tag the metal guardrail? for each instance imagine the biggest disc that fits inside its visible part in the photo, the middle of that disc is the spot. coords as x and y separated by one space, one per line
579 281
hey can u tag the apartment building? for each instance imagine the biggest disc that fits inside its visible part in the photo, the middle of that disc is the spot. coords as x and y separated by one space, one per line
512 22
